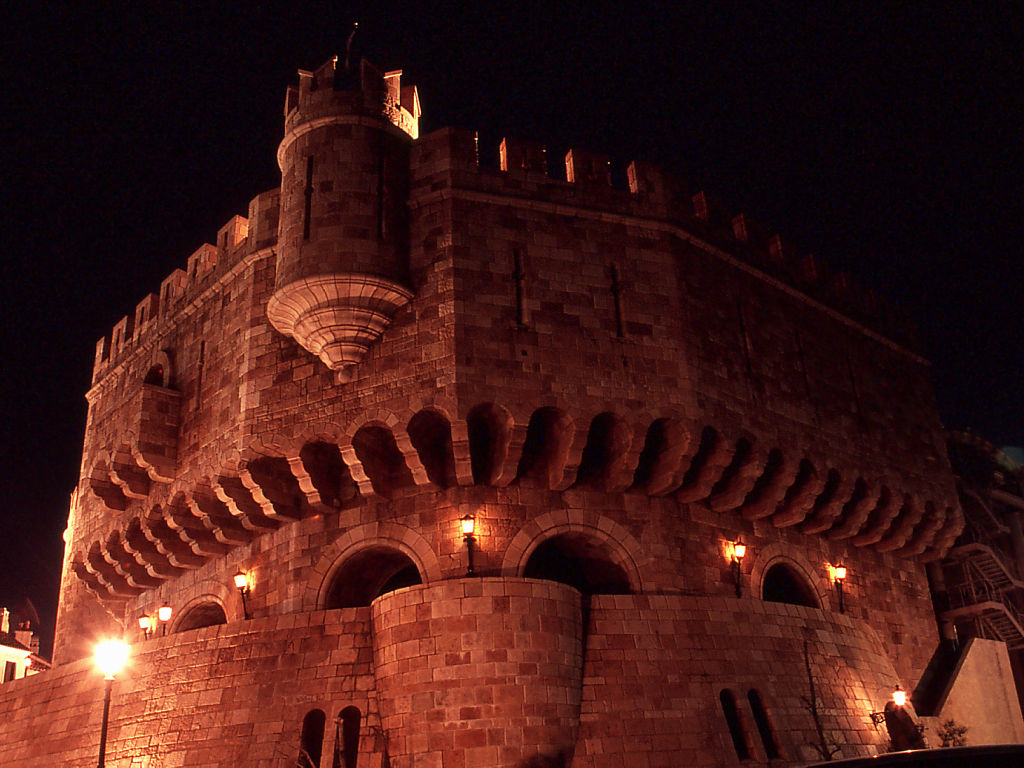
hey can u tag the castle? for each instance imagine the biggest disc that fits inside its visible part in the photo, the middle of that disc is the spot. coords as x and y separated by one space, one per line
508 468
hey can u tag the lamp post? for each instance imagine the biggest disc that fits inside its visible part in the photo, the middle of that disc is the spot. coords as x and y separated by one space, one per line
163 613
468 526
739 549
111 656
146 625
839 576
242 585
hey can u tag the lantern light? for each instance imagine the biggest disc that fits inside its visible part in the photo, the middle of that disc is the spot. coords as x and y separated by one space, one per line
840 572
241 580
468 523
164 613
146 625
739 549
111 656
899 696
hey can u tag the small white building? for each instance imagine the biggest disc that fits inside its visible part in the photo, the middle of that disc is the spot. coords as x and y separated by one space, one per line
18 650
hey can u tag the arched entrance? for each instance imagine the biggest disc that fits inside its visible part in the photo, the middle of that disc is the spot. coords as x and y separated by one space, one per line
368 574
580 561
783 583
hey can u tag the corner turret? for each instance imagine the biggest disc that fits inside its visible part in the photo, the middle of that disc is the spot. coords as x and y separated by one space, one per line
342 262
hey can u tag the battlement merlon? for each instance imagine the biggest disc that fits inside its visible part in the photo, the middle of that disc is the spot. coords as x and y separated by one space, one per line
331 90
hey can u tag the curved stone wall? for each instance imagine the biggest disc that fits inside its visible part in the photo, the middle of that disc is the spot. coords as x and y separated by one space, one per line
485 672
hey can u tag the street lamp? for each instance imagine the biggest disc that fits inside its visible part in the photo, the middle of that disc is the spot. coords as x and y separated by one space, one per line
468 526
163 613
839 576
146 625
739 549
111 656
242 585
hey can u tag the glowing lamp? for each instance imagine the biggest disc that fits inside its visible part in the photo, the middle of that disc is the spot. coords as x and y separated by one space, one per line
164 613
146 625
899 697
739 549
468 523
111 656
838 576
242 585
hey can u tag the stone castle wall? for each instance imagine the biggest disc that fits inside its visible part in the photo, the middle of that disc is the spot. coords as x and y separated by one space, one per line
635 376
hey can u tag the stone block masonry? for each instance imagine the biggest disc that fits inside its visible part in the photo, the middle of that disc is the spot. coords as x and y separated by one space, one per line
616 386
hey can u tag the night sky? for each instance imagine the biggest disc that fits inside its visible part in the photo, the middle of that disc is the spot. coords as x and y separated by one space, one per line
883 137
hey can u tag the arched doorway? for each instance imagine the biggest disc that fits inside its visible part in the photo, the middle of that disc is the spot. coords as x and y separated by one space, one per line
580 561
783 583
202 615
368 574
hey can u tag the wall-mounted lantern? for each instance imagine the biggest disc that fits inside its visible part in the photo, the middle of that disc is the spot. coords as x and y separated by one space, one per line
146 625
242 585
839 576
899 698
737 550
163 613
468 523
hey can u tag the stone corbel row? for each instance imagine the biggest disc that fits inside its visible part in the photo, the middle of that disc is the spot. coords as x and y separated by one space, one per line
382 454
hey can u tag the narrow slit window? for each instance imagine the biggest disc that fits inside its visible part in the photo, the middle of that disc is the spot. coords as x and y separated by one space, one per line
732 719
764 726
349 720
616 290
519 275
308 212
311 742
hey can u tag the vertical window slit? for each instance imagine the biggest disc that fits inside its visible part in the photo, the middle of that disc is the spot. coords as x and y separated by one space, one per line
764 727
307 214
617 300
853 386
311 741
520 277
732 719
746 340
346 738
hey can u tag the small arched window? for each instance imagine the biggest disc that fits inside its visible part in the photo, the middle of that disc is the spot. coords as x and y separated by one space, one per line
732 719
764 726
784 584
311 742
155 376
350 719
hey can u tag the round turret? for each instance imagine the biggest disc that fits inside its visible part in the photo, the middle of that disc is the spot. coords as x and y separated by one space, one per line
342 262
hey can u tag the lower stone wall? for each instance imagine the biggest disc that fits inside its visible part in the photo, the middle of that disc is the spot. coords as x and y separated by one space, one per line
656 666
228 695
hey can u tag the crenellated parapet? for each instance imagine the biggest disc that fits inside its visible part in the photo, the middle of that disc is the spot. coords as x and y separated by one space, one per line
651 198
238 237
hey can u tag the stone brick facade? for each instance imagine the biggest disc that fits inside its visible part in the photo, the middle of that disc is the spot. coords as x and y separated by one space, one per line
616 384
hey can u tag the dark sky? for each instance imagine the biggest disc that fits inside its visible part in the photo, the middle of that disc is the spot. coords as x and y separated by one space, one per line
884 137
